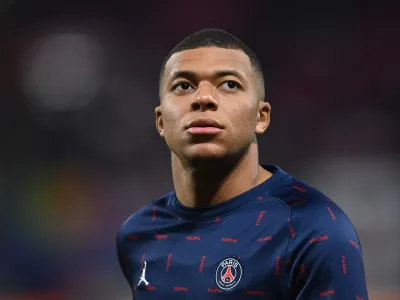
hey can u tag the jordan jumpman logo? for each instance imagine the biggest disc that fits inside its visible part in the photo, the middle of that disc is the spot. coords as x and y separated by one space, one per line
143 276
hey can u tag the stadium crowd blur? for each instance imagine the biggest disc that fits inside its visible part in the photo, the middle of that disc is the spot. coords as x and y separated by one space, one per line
80 153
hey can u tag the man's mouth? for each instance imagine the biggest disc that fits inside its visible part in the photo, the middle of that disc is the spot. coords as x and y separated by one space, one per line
204 126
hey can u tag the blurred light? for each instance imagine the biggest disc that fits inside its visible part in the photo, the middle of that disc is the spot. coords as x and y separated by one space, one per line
64 72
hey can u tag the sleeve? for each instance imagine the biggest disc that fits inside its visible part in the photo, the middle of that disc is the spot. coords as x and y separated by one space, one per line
329 265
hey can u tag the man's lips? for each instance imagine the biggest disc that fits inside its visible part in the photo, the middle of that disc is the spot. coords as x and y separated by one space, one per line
204 126
204 123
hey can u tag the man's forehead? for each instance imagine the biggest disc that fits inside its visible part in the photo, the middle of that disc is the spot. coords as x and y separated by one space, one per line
204 59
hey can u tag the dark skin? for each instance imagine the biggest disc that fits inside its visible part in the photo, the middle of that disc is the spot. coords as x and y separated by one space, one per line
218 84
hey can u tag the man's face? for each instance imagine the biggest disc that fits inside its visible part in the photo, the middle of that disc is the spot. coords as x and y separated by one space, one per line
209 103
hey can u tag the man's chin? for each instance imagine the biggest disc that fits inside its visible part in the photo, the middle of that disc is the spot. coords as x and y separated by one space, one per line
205 151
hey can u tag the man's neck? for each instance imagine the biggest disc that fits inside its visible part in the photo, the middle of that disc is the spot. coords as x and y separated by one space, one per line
219 181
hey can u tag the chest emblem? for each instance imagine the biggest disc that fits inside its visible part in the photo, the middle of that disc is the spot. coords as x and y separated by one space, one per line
143 276
228 274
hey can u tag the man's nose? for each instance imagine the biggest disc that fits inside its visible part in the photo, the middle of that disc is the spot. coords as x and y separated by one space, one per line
206 98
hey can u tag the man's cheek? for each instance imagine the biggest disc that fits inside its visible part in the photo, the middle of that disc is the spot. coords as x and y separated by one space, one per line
172 111
242 120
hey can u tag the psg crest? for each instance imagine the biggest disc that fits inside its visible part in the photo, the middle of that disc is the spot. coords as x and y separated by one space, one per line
228 273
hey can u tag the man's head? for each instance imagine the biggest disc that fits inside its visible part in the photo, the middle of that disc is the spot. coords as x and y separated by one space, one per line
220 39
211 79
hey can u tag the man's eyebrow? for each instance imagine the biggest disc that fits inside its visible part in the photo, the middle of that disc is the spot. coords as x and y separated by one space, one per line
183 74
215 74
225 73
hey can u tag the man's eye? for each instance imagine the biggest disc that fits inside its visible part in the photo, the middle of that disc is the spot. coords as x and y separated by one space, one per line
230 85
182 86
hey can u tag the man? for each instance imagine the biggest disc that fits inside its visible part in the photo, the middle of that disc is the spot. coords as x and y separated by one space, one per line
232 228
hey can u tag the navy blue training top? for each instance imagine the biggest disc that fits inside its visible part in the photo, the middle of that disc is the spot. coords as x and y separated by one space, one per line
283 239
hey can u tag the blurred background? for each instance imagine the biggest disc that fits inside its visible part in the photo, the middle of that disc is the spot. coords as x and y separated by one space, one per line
79 152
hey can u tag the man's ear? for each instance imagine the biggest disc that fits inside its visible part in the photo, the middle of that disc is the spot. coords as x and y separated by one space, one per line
159 121
263 117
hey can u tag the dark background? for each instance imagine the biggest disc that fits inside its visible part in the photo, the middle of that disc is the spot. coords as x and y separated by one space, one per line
80 153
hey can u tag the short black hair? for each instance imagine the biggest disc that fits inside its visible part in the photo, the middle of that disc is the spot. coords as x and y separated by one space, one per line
219 38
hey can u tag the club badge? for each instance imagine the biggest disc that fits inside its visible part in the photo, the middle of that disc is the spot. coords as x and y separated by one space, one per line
228 274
